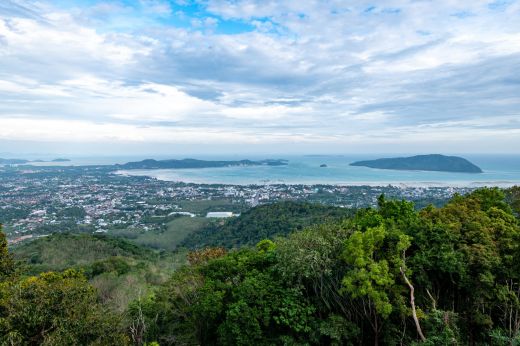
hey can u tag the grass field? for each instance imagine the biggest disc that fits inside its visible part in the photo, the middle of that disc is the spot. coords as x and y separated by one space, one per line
180 227
176 231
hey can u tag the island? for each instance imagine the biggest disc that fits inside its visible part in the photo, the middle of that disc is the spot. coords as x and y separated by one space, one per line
194 163
323 165
60 160
432 162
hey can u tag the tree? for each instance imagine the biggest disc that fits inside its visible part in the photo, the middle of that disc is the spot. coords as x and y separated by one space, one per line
376 262
465 256
513 198
55 309
6 260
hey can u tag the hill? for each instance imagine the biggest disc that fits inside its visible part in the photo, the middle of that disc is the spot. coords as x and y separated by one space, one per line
194 163
118 269
264 222
432 162
60 251
351 282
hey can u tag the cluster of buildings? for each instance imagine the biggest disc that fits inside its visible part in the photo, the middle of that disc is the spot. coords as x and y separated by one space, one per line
45 200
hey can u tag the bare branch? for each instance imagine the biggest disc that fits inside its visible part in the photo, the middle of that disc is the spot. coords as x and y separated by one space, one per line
412 303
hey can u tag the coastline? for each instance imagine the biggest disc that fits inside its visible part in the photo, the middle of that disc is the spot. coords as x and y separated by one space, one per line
164 175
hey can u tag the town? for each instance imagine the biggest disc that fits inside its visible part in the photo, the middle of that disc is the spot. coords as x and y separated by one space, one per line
37 201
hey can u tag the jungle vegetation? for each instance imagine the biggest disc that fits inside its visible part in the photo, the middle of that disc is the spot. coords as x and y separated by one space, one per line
389 275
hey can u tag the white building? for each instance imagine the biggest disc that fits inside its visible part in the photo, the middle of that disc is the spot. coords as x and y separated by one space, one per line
220 214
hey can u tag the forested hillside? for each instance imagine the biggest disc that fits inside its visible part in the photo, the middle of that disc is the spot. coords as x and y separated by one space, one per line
64 250
388 276
264 222
118 269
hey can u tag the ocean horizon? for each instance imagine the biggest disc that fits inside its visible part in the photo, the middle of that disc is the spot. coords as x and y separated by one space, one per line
501 170
498 170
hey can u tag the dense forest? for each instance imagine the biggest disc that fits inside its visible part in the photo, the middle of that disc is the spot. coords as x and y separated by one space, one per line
385 276
264 222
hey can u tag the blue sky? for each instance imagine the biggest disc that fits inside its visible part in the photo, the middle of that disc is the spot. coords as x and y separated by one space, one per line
246 76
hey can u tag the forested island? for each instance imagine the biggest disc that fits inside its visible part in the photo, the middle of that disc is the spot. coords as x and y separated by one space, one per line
195 163
388 275
432 162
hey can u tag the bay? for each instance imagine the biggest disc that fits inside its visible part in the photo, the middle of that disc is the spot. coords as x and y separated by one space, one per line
499 170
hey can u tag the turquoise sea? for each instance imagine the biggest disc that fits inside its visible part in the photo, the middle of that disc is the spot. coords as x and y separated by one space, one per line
499 170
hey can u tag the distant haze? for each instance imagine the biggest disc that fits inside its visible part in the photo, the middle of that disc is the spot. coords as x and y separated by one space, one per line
180 78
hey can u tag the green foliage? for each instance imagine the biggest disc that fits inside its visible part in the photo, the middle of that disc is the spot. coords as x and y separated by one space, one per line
466 253
118 269
14 213
375 257
112 264
60 251
266 245
55 309
168 238
339 330
338 281
6 260
71 212
442 329
264 222
513 198
310 255
343 282
236 299
500 338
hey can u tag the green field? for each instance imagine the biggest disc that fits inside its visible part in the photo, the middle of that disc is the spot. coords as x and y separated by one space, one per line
176 231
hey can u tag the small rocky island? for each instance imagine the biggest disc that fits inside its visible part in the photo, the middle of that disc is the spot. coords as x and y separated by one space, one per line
194 163
432 162
323 165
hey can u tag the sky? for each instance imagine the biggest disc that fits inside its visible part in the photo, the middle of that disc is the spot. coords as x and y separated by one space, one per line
247 76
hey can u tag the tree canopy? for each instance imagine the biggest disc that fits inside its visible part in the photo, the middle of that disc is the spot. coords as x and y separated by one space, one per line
387 275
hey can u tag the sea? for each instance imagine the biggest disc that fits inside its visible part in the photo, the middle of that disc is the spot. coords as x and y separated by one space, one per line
499 170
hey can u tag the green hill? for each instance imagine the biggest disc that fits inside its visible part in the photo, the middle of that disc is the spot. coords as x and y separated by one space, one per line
433 162
388 275
60 251
120 270
264 222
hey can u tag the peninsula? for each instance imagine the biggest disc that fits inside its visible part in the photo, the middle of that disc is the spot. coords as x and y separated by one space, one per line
432 162
194 163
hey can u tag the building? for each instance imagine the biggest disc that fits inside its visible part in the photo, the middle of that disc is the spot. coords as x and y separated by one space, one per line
220 214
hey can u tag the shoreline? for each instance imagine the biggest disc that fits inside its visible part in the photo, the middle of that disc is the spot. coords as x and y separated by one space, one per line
266 182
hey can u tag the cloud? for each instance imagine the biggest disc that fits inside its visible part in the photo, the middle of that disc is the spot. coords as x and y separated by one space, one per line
262 72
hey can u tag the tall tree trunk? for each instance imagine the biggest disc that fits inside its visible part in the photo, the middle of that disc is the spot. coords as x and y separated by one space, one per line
376 330
412 303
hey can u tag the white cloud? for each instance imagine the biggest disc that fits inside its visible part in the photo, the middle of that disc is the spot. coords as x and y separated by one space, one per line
333 71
